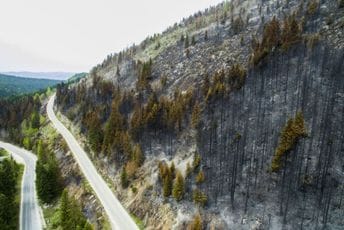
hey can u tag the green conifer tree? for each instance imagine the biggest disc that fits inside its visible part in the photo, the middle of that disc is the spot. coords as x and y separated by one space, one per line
179 187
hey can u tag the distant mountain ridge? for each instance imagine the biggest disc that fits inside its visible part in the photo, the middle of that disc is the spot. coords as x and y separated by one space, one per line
41 75
13 85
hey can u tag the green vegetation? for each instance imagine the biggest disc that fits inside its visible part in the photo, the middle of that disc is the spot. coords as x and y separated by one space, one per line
145 75
95 133
48 180
124 178
12 85
292 131
76 77
196 223
196 161
200 177
3 153
160 114
69 215
196 114
166 176
312 7
275 37
236 76
199 197
138 222
178 187
225 80
10 182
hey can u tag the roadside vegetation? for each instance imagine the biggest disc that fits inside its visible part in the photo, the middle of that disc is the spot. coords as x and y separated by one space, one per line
10 190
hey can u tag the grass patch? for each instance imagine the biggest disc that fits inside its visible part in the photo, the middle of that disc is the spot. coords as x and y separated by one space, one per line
3 153
138 222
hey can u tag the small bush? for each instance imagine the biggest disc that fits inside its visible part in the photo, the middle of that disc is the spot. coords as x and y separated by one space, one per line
200 177
196 161
134 189
312 7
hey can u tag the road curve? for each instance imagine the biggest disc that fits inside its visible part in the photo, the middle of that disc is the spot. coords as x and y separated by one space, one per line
30 213
118 216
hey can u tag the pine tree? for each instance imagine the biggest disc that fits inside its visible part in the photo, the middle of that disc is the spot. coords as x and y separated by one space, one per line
193 40
7 211
95 132
195 117
35 120
188 169
173 169
8 177
113 129
138 156
179 187
186 42
49 182
199 197
196 223
71 216
39 149
124 178
64 210
200 177
196 161
167 183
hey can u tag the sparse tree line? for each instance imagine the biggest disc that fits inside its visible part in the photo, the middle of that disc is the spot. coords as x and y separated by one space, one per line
123 124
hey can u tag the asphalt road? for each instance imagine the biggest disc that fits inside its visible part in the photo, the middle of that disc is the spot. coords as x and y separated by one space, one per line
118 216
30 213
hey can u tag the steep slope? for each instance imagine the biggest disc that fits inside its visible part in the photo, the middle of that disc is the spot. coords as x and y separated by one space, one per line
254 87
117 214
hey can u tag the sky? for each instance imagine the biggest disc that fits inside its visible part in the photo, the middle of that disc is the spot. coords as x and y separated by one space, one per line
75 35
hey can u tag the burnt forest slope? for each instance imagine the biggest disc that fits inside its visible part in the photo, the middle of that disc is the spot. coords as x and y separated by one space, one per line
245 100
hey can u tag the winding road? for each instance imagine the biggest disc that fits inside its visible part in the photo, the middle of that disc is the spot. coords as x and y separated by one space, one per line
30 212
118 216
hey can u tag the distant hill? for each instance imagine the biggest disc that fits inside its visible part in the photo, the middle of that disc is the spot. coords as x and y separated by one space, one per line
42 75
13 85
76 77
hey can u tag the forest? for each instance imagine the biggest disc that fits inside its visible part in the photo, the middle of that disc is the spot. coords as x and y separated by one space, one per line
12 85
10 181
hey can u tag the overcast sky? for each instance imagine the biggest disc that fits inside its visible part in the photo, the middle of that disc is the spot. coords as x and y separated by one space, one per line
75 35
